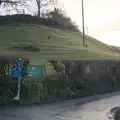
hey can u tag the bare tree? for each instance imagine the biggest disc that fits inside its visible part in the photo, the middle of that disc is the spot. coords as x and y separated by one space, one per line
41 4
11 2
55 3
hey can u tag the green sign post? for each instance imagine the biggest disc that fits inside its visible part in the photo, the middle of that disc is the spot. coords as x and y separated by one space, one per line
36 71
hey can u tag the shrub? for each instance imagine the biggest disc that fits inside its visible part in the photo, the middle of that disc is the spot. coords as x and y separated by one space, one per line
7 90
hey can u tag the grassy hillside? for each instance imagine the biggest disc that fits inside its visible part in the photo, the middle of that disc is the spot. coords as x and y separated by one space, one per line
33 41
40 43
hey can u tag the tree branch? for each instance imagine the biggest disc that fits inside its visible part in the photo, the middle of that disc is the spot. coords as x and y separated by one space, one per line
43 4
11 2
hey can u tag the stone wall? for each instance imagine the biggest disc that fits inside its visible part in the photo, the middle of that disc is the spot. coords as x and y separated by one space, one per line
99 76
96 76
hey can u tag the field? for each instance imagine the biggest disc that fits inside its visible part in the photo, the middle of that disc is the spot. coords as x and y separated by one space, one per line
40 43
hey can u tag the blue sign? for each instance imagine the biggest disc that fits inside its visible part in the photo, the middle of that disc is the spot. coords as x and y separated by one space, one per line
19 64
16 73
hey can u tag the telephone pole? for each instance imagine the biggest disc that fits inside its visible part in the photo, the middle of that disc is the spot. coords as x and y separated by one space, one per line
83 26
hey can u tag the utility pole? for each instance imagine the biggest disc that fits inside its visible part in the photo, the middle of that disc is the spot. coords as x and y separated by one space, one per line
83 22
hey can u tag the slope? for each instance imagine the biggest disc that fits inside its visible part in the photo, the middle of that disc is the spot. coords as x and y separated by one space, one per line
39 43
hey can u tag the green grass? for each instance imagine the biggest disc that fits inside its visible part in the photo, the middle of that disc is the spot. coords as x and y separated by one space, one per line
61 45
19 40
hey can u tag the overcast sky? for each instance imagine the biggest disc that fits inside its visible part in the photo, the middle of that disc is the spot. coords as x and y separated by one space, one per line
102 17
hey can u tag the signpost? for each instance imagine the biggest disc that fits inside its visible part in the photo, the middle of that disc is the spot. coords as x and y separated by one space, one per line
17 72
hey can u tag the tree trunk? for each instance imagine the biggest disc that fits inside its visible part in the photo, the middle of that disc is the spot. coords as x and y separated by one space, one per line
38 5
39 11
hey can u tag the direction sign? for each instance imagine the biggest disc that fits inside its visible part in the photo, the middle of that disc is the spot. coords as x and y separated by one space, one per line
16 73
19 63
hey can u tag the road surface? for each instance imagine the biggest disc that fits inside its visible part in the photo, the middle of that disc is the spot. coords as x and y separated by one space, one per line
69 110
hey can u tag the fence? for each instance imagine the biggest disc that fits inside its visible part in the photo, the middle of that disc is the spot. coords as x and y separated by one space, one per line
16 18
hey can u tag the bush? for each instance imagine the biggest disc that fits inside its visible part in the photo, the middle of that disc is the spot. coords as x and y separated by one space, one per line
47 90
60 87
7 97
59 17
7 90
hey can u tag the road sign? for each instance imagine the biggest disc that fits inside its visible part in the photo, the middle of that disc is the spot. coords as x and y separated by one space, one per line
35 71
19 63
16 73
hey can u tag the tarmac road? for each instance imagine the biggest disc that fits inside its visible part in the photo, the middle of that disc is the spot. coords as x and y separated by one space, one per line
69 110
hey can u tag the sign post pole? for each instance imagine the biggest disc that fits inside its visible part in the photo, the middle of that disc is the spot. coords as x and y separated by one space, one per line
18 72
18 94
